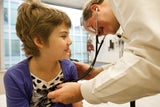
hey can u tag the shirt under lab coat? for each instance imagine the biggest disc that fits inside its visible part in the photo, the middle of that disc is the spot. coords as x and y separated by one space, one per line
137 73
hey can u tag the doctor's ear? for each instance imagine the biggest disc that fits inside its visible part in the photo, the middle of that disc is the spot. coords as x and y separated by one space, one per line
94 7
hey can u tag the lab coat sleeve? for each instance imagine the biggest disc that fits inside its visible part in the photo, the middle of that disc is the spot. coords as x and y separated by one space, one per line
132 77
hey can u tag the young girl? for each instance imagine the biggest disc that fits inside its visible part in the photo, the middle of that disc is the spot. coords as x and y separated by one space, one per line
44 32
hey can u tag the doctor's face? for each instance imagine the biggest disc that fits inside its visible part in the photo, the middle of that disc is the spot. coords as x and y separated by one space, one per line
107 22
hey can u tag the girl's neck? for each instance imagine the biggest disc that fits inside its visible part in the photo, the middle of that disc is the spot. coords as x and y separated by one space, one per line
45 70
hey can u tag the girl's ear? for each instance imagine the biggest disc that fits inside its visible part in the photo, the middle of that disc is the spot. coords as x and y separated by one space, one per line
38 42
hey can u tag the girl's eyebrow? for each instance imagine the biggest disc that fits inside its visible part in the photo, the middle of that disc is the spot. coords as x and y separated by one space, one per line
64 31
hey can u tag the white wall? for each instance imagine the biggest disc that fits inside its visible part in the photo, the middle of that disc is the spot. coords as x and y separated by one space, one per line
106 55
1 35
2 91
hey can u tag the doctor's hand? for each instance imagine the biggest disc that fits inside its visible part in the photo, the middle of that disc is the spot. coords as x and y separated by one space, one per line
82 67
66 93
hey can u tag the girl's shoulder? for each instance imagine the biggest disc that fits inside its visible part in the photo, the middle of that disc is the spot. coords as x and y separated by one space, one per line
66 62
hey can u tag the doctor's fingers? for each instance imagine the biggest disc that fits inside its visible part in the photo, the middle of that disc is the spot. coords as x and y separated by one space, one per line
53 94
56 96
81 65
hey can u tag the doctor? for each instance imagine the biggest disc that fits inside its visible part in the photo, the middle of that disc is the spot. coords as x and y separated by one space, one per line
137 73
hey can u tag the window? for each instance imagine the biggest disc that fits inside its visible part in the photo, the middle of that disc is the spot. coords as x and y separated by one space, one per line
5 15
11 45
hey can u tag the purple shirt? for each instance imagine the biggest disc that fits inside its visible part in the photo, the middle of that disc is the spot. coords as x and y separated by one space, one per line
19 86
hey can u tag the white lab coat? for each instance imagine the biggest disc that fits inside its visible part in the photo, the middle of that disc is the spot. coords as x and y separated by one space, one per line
137 73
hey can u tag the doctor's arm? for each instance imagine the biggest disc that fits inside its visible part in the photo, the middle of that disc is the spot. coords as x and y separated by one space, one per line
123 82
82 67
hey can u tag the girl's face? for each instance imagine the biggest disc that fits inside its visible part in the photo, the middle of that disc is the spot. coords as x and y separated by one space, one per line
58 44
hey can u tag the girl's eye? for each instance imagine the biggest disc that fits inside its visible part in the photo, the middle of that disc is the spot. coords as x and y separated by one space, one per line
64 36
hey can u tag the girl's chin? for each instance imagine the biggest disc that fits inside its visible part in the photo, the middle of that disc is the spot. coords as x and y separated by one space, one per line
66 57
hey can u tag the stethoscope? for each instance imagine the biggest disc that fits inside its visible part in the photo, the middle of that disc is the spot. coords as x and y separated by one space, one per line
94 60
96 51
132 103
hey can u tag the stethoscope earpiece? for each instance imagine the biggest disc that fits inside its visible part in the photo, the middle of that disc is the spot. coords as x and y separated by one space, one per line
96 9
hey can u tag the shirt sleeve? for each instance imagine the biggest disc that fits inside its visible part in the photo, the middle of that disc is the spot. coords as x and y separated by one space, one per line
74 72
14 88
132 77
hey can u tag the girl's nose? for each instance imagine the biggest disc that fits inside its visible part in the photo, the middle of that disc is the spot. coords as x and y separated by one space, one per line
69 41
